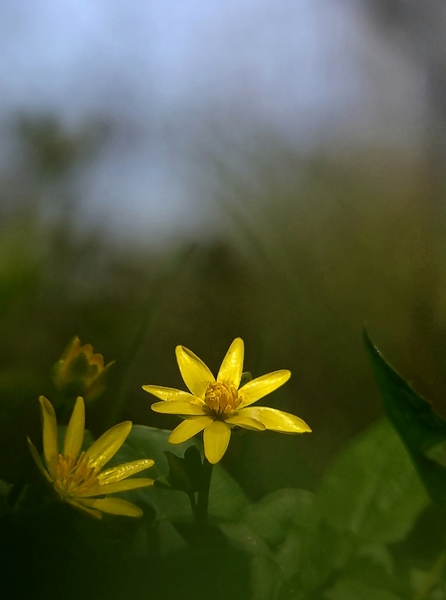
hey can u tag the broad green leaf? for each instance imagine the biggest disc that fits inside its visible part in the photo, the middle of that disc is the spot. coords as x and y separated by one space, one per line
312 558
421 430
227 500
289 552
376 555
272 517
242 537
266 575
265 578
372 489
349 589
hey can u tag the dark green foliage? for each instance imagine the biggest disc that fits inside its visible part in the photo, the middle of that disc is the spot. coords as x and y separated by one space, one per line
421 429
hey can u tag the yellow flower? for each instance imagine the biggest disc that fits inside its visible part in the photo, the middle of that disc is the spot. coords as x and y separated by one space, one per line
80 372
217 405
77 476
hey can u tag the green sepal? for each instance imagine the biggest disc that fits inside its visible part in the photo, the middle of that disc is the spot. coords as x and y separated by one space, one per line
421 429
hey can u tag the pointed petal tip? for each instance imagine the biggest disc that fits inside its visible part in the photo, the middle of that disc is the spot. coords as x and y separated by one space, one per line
180 349
195 373
232 365
74 435
44 401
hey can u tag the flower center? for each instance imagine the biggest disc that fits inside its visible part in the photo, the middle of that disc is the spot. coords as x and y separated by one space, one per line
221 398
74 477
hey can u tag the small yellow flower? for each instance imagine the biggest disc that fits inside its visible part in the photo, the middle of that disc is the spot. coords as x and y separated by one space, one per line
80 372
217 405
77 476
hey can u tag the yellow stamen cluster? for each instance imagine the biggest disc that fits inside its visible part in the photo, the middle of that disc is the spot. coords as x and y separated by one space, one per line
221 398
74 478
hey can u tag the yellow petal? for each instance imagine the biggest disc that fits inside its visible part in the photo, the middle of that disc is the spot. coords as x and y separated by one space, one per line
102 450
216 439
178 408
232 365
188 429
74 435
276 420
72 349
165 393
114 506
246 422
261 386
123 471
194 372
38 461
119 486
50 441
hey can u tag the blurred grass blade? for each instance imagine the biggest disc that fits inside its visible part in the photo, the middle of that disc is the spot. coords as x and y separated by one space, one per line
421 429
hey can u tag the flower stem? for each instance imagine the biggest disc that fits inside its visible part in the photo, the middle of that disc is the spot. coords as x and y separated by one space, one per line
203 494
193 505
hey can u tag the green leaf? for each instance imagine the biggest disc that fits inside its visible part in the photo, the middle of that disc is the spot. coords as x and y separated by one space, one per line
272 517
311 559
372 490
266 575
265 578
421 430
289 552
243 538
349 589
226 500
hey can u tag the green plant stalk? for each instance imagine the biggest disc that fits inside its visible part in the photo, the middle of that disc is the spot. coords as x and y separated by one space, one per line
202 507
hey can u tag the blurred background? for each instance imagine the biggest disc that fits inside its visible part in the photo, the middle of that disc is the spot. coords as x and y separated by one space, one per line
188 172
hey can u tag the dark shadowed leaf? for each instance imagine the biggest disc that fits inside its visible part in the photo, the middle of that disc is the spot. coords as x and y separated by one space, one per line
422 431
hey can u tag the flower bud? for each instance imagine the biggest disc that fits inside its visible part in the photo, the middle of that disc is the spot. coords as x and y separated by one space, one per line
80 372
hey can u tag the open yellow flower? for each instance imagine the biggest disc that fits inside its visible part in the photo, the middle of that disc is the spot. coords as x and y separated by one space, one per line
215 405
77 476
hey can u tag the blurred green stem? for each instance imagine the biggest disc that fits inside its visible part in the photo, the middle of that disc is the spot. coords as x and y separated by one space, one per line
203 494
432 577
